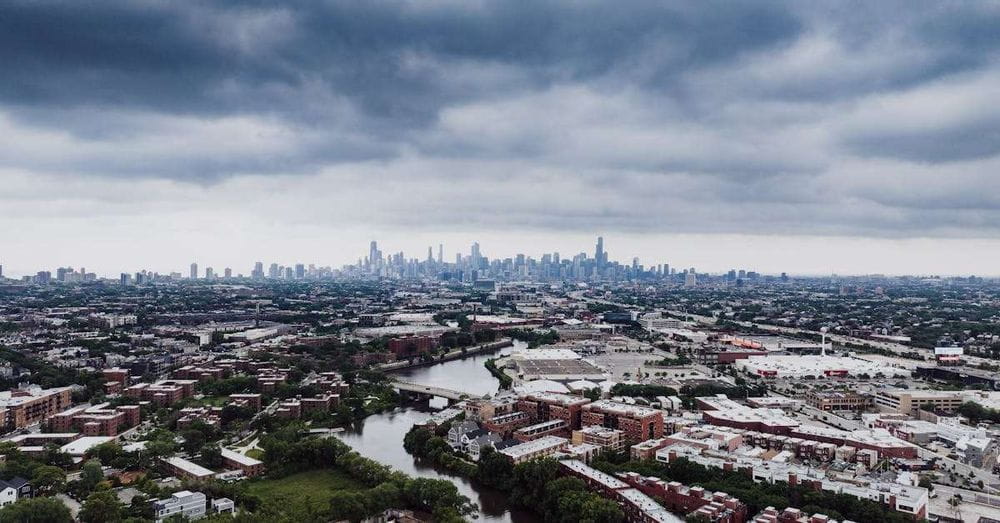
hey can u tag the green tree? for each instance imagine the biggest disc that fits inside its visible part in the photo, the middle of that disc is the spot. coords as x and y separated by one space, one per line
194 440
141 508
107 452
349 505
90 475
36 510
211 456
47 479
600 510
529 481
495 469
101 507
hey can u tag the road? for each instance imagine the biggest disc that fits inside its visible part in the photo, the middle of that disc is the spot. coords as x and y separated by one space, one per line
71 504
455 395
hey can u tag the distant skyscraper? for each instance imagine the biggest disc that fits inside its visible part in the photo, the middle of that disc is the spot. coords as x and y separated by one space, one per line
300 271
209 273
373 256
475 255
599 256
690 280
194 271
440 254
258 271
229 272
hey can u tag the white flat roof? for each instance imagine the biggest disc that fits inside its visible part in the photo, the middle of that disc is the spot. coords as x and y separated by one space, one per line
191 468
240 458
80 446
546 442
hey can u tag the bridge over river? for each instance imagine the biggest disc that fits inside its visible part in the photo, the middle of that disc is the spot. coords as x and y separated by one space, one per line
430 390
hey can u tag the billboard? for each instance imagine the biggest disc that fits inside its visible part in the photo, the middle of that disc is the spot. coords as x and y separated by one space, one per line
948 351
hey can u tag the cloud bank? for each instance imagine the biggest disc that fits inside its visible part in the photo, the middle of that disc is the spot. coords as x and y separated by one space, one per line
790 118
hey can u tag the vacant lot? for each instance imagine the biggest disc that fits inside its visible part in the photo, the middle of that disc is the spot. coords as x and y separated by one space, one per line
303 492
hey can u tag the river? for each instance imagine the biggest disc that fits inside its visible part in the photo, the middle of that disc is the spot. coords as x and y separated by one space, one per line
380 437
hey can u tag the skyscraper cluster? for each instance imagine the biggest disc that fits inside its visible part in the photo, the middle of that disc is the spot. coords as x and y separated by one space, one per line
471 266
477 266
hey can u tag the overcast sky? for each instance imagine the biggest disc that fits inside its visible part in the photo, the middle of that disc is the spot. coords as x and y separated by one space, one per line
808 137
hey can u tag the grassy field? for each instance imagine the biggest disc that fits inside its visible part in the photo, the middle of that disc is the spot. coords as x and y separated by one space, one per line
255 453
303 491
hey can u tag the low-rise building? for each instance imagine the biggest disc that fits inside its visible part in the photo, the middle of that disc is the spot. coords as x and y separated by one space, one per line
162 393
835 400
187 469
97 420
612 440
250 467
538 448
902 498
716 507
14 489
538 430
186 504
908 401
507 424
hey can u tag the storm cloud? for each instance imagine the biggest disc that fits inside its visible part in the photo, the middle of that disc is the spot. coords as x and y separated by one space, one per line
875 120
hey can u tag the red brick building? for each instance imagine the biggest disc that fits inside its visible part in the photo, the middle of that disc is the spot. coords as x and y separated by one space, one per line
556 427
506 424
412 345
639 423
162 393
96 422
201 373
547 406
717 507
252 401
22 407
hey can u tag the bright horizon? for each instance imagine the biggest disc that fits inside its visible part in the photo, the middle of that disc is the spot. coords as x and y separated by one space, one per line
800 256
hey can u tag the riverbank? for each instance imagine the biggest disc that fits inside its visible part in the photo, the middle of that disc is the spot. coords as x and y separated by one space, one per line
448 356
381 436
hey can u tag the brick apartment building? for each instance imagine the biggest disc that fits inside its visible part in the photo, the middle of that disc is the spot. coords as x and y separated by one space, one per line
22 407
556 427
297 407
546 406
162 393
717 507
94 421
484 409
639 423
201 373
250 467
115 380
612 440
507 424
412 345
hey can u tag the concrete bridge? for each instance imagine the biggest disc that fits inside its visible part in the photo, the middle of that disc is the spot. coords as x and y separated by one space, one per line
430 390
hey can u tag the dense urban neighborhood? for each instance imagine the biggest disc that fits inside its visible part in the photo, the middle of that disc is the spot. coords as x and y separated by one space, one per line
503 390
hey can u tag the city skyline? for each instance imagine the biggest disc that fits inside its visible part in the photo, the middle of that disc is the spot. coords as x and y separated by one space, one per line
441 252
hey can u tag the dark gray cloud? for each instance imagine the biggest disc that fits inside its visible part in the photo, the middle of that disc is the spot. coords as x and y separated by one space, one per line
714 116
